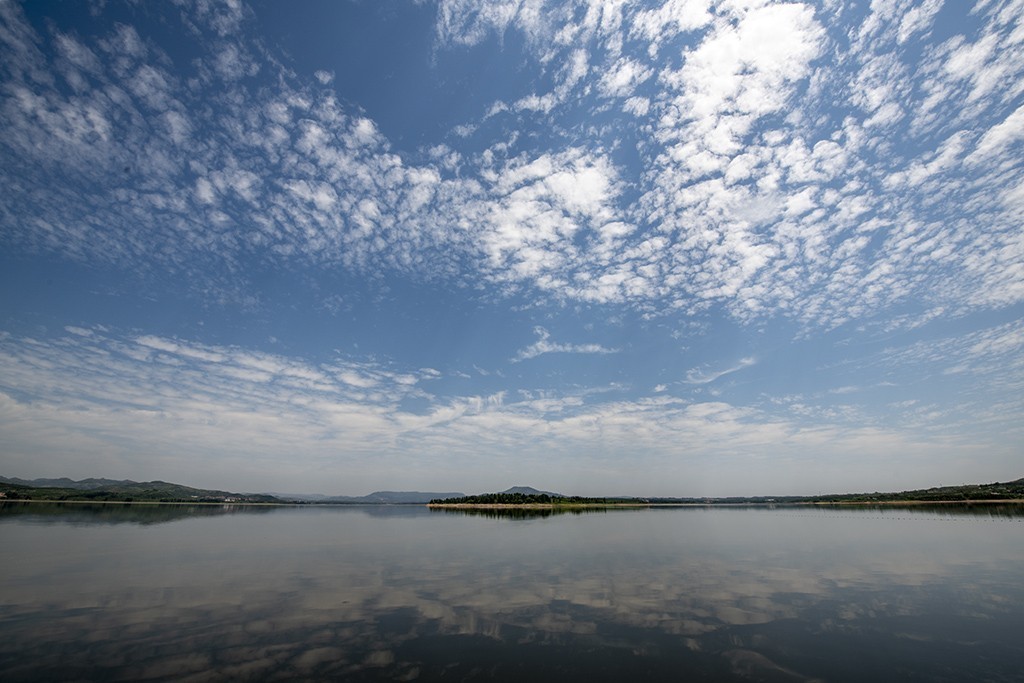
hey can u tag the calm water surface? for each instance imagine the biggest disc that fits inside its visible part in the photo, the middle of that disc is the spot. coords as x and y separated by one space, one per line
405 593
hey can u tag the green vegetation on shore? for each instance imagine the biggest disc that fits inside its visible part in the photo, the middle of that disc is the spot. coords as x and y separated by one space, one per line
104 490
130 492
1012 490
527 499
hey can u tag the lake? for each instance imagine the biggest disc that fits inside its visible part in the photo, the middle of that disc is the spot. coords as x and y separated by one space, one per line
200 593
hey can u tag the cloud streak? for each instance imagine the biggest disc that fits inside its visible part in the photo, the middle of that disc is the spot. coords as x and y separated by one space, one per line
705 376
92 400
545 345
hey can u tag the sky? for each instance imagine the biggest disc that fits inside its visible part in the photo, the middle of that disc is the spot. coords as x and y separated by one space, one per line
600 247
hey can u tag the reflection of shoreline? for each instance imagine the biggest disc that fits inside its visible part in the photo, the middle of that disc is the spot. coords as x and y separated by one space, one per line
535 506
991 508
47 501
863 503
525 511
817 503
107 512
1013 508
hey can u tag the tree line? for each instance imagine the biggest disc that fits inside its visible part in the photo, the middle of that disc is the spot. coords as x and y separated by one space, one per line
520 499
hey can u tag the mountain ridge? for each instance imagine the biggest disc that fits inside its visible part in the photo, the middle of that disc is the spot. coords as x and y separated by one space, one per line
100 489
121 490
375 498
528 491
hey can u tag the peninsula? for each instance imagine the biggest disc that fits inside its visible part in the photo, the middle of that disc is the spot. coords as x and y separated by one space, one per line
526 497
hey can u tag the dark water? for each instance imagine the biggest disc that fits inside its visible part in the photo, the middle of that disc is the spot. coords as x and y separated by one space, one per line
395 593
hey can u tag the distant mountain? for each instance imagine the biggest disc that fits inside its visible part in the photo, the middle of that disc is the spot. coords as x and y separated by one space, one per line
388 498
393 497
527 491
63 488
120 490
375 498
299 497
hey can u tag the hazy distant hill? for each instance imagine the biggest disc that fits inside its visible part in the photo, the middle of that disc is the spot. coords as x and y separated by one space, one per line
404 496
375 498
121 490
63 488
526 491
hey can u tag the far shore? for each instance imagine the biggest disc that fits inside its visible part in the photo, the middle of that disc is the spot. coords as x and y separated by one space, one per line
538 506
149 502
848 503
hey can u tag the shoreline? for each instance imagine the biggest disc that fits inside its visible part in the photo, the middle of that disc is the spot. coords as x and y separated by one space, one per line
539 506
858 503
148 502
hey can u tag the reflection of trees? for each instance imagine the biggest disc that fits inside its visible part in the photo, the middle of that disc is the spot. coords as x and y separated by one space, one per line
527 513
121 513
527 499
974 509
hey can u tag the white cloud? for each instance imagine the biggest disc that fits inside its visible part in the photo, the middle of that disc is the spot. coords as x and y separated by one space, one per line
623 78
545 345
467 22
747 67
768 179
1000 139
152 407
638 106
918 19
673 17
706 376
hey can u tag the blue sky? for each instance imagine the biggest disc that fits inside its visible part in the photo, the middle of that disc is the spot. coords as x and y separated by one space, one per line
625 248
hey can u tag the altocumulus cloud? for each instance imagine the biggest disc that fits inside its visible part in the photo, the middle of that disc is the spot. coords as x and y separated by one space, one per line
770 185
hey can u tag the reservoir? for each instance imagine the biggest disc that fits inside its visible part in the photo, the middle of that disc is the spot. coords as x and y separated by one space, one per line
211 593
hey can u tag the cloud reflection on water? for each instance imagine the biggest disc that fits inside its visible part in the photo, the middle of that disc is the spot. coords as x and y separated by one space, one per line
367 593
